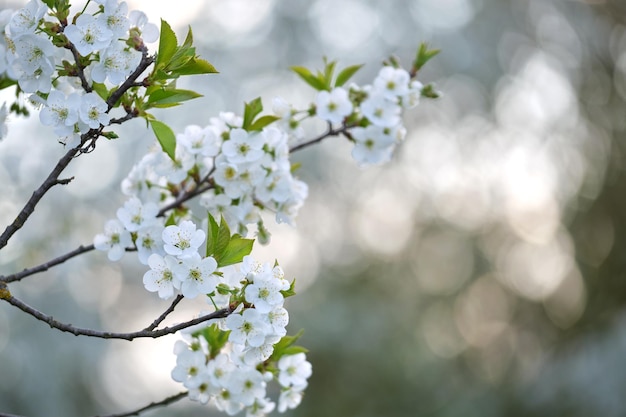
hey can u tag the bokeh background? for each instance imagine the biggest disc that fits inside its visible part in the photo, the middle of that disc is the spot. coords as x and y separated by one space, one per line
481 273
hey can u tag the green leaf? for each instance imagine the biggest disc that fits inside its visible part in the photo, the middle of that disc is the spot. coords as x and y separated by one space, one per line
251 110
170 97
196 66
346 74
167 44
101 90
263 121
211 239
309 78
188 39
166 137
6 82
429 91
292 350
328 73
285 344
291 291
237 248
171 220
223 237
423 56
215 337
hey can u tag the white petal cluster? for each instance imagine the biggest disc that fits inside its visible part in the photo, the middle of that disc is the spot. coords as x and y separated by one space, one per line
236 378
28 55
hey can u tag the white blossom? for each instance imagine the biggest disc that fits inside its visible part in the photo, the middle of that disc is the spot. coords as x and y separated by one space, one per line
115 240
333 106
89 34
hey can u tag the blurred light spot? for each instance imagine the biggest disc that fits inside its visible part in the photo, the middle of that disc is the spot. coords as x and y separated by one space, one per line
492 362
557 37
323 225
440 331
383 222
296 255
239 16
443 15
535 271
528 182
567 304
139 372
540 97
162 9
94 173
343 25
443 261
97 288
482 313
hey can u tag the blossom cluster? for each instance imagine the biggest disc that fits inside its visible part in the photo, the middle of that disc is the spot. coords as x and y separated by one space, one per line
105 44
231 362
377 108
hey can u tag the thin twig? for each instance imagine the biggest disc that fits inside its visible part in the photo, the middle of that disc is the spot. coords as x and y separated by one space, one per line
330 132
45 266
29 207
145 62
77 331
162 317
167 401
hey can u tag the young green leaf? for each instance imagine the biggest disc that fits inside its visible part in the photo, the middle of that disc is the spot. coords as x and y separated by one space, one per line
251 110
329 70
196 66
211 236
429 91
215 337
171 220
237 248
166 137
285 346
223 237
423 56
263 121
291 291
346 74
167 45
165 97
309 78
188 39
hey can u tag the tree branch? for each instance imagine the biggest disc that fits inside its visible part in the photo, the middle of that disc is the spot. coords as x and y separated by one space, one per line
77 331
330 132
145 62
166 401
45 266
162 317
29 208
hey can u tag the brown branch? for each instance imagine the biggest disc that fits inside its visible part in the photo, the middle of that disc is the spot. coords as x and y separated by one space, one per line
29 208
166 401
45 266
80 73
77 331
145 62
330 132
162 317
